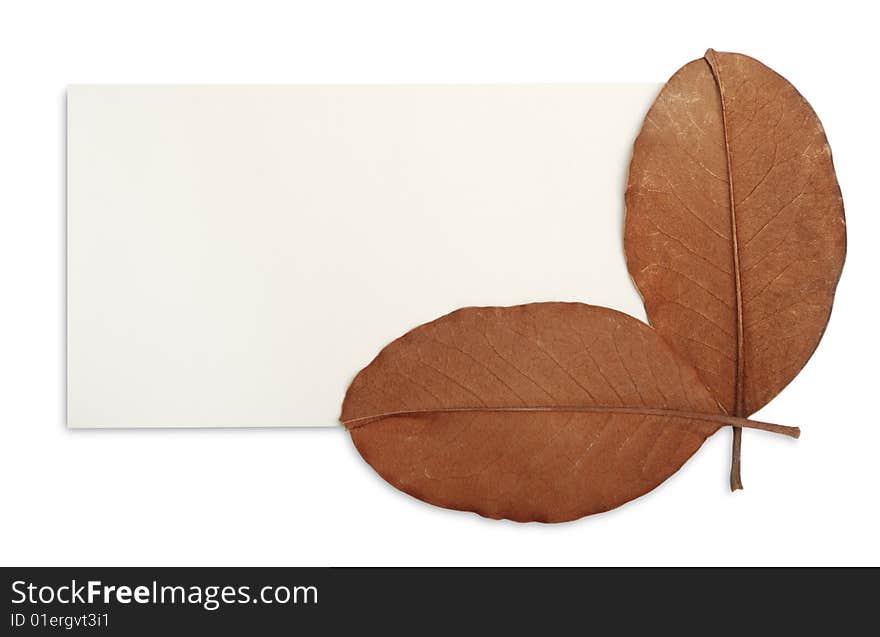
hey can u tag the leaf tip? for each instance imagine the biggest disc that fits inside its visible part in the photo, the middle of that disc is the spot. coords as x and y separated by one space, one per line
711 57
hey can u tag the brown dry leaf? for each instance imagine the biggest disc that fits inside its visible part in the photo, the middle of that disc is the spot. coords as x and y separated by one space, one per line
735 233
544 412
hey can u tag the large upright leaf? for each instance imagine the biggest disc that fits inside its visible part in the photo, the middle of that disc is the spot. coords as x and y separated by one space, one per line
544 412
735 231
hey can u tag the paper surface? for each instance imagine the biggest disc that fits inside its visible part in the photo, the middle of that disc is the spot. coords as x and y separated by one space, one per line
237 253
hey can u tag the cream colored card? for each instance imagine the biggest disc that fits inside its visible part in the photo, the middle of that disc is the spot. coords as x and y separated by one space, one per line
237 253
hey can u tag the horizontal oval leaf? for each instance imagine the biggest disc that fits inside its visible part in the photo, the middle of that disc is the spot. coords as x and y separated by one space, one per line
544 412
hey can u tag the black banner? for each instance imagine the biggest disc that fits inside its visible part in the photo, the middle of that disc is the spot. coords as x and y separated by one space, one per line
172 601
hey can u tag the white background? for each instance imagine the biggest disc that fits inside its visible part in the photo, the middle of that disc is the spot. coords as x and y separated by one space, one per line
303 497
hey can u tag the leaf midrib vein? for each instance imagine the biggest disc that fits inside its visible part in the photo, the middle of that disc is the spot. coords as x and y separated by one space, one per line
738 398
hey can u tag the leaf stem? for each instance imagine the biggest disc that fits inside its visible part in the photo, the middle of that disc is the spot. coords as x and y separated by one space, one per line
736 453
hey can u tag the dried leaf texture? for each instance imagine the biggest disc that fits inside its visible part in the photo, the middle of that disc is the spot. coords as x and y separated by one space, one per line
735 232
544 412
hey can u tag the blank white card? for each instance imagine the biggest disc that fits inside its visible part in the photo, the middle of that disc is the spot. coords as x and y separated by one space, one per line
237 253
